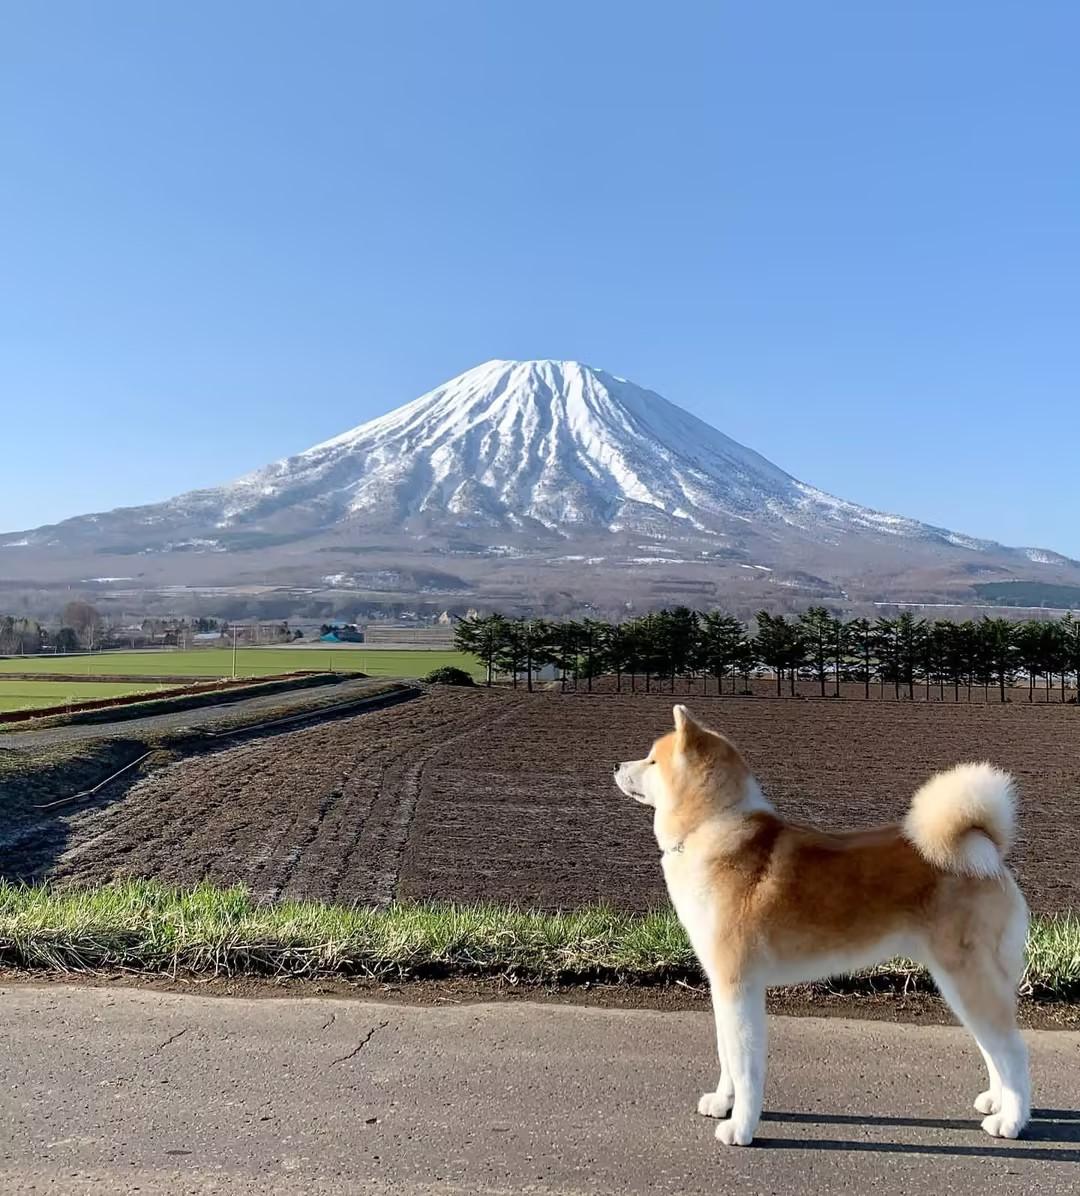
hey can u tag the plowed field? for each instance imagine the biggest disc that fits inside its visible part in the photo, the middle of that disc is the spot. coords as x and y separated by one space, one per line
477 795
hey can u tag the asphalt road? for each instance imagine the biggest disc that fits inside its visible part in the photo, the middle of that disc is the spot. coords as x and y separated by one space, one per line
122 1091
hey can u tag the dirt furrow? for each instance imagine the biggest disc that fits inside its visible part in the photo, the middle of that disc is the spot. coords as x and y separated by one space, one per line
384 835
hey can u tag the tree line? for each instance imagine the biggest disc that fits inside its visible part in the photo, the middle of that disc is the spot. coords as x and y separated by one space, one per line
80 627
904 655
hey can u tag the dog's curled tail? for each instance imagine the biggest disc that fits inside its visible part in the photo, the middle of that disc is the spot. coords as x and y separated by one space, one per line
962 820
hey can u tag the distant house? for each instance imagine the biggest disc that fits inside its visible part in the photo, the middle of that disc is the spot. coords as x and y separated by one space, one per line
342 635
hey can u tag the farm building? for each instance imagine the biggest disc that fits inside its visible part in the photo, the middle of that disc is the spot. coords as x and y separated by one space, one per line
342 635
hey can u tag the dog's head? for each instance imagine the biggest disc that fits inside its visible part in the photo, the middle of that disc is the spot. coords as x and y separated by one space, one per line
688 774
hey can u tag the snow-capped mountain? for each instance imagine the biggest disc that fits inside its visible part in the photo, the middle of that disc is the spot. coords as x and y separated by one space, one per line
524 460
553 443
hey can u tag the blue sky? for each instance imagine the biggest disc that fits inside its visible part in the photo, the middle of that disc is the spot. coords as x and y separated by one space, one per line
846 234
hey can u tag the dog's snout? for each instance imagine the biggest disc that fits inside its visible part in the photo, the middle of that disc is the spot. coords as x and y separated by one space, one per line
614 768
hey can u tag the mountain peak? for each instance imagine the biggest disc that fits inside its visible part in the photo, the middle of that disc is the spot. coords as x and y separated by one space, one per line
537 364
552 442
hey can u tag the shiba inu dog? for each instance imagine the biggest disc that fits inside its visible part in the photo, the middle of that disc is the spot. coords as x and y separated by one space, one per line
768 902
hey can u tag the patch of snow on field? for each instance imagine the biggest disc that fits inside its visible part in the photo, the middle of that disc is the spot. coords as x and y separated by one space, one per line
194 543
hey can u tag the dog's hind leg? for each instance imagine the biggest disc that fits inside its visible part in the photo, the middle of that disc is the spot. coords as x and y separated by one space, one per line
982 997
740 1017
719 1102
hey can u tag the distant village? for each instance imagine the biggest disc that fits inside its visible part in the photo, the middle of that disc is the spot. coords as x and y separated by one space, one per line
82 628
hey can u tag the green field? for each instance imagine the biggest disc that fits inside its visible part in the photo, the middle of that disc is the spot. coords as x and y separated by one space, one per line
32 695
250 662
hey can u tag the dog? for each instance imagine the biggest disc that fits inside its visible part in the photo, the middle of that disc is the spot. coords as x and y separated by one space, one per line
765 901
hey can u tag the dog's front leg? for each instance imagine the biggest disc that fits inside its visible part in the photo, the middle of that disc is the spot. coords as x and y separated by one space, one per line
740 1018
718 1103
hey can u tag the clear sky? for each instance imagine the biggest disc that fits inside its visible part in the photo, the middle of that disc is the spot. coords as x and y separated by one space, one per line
847 234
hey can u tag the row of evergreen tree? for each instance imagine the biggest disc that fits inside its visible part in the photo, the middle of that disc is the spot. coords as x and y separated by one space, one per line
900 654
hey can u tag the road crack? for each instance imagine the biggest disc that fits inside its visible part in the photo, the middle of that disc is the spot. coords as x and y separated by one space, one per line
360 1046
169 1041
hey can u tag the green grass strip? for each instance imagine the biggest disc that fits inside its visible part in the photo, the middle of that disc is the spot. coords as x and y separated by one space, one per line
149 927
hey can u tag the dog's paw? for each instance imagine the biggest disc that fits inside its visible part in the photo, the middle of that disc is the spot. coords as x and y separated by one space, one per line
731 1133
999 1125
716 1104
985 1103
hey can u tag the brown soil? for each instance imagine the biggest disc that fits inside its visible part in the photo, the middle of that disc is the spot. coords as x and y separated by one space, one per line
507 796
533 813
320 813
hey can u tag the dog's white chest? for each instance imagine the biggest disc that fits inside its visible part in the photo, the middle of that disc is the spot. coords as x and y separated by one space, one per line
688 888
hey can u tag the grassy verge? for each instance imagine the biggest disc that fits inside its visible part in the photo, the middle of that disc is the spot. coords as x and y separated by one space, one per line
145 926
176 703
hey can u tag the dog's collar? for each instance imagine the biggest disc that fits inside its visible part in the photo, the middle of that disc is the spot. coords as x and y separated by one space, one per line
674 849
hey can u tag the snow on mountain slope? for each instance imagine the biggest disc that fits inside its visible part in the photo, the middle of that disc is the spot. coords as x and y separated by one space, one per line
549 449
558 443
553 442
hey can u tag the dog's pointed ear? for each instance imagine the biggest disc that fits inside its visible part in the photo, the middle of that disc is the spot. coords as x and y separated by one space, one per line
682 716
687 729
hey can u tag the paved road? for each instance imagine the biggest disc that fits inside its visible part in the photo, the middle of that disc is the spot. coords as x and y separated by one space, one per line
121 1091
201 717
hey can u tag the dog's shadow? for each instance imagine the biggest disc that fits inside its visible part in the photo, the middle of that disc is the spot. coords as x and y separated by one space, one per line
1046 1125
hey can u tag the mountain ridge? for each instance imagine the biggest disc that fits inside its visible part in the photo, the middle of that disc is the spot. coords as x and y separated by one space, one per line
515 459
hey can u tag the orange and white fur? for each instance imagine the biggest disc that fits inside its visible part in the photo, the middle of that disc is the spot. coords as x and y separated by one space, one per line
768 902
